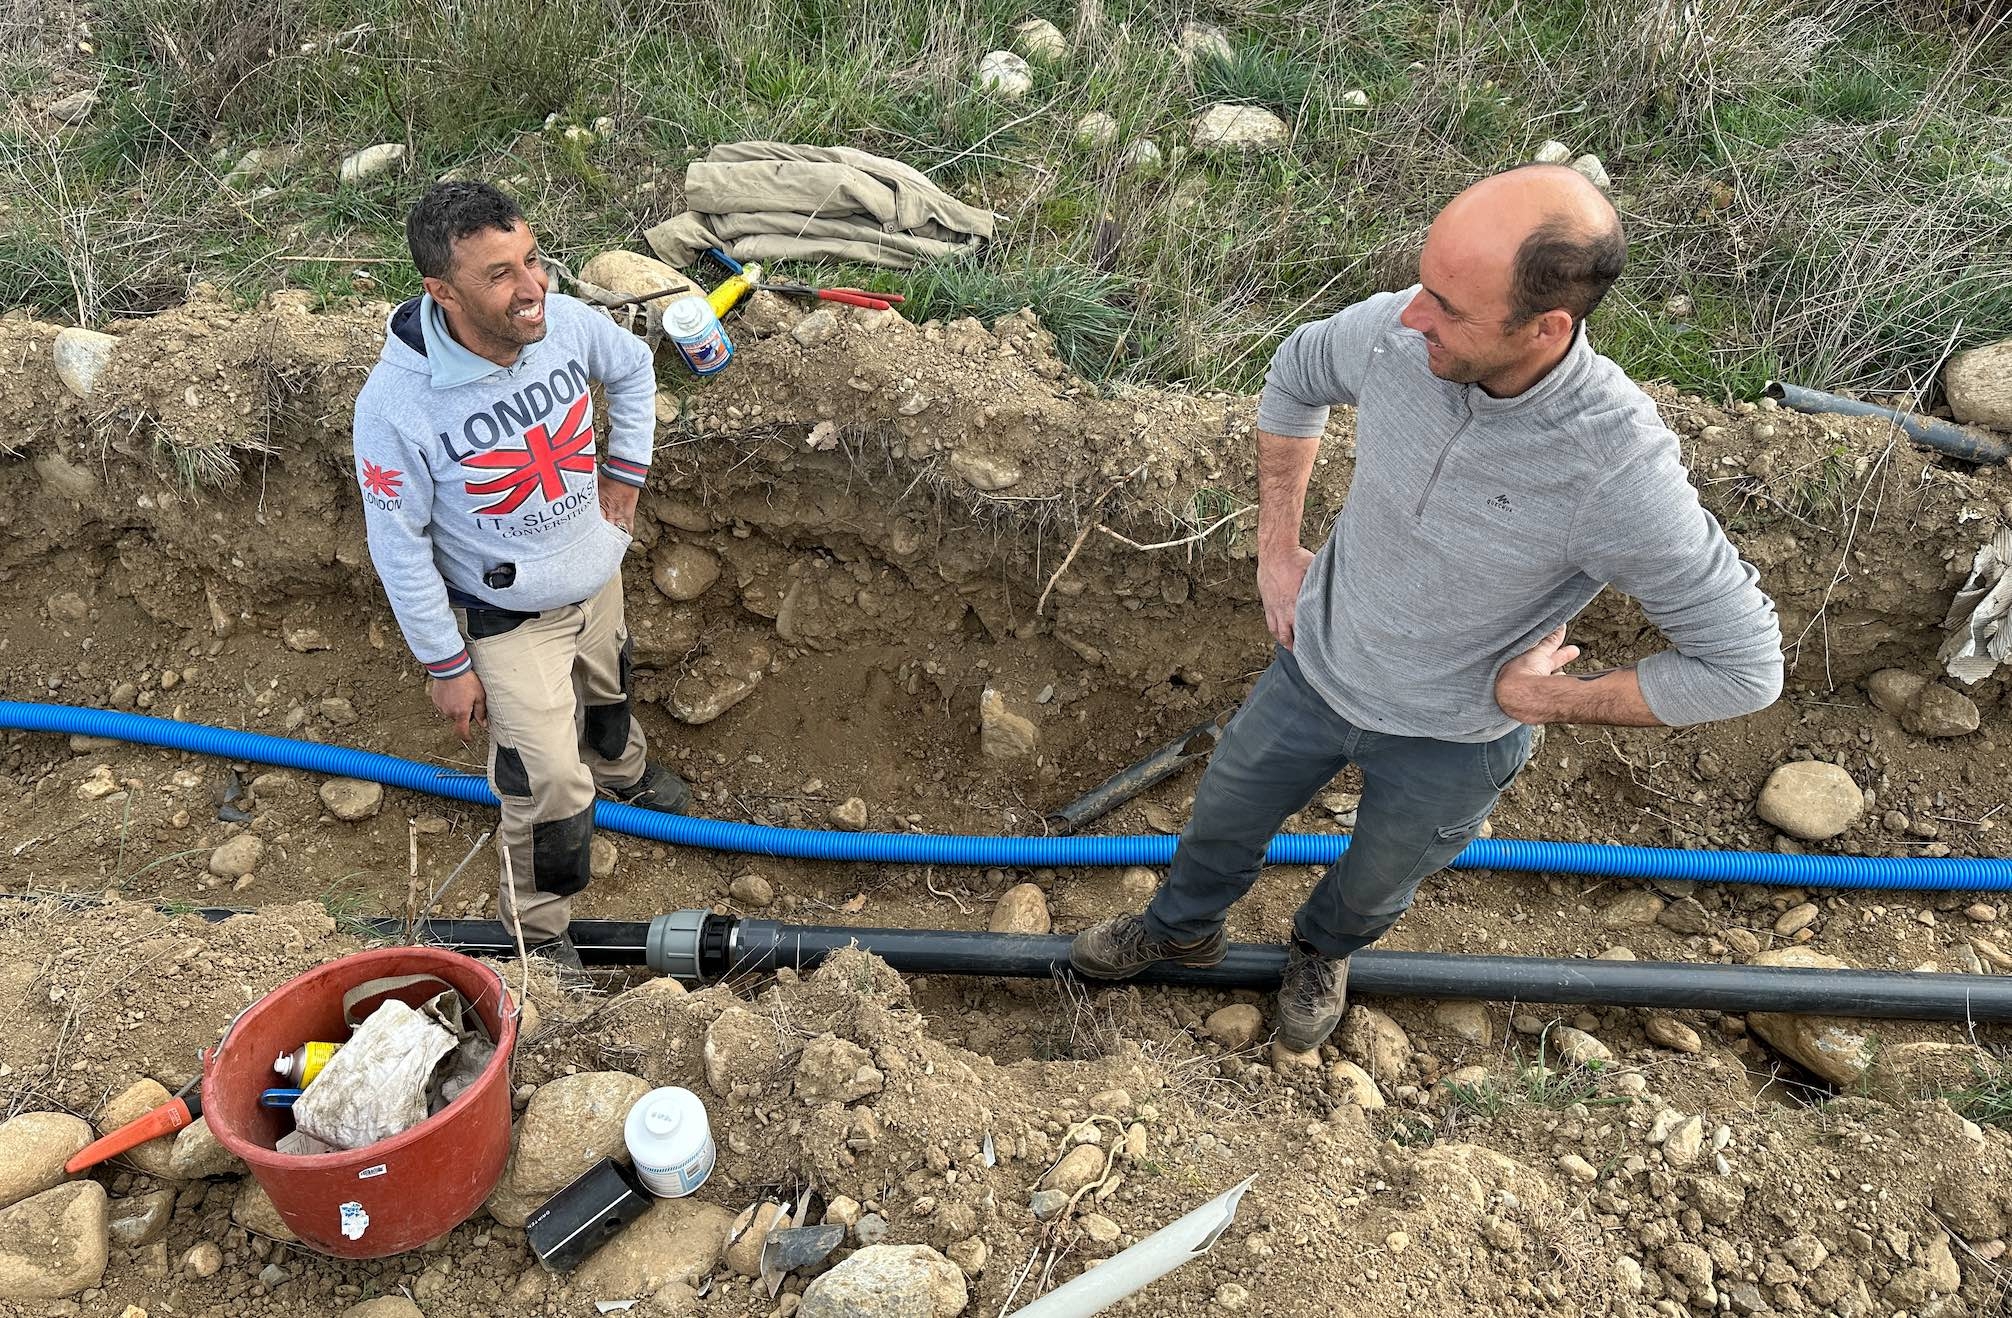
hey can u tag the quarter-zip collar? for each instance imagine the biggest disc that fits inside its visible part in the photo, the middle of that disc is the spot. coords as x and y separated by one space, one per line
1562 380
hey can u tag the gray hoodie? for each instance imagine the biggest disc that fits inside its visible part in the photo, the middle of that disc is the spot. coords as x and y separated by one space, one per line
1475 525
479 481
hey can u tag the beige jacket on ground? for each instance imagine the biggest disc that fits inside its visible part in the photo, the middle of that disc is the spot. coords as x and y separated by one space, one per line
773 201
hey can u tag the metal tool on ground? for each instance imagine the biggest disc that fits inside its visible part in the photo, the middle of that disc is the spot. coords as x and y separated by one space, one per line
1191 747
169 1117
857 297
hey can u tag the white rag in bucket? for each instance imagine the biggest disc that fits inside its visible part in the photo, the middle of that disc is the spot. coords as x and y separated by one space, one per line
1980 618
376 1085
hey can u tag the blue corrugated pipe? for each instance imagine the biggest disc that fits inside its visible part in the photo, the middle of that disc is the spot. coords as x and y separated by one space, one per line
1016 852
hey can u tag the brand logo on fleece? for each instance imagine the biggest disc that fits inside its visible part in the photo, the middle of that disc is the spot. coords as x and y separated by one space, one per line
1500 503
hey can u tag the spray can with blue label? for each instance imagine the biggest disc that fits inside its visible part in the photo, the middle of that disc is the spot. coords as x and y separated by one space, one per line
694 329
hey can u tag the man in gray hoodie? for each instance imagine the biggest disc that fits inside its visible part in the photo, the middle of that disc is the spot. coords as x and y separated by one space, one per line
1504 473
499 538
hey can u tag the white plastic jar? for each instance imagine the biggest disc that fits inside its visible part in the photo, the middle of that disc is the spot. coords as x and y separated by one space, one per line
670 1141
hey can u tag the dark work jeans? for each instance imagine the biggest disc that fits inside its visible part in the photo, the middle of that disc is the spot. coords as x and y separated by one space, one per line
1423 801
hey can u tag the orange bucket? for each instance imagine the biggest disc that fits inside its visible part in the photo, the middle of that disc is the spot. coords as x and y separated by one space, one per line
393 1195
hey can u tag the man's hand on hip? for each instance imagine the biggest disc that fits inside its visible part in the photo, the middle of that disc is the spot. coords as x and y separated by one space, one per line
1531 688
1280 575
618 503
462 700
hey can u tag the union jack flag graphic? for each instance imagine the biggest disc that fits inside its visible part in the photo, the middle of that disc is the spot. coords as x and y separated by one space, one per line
381 482
539 467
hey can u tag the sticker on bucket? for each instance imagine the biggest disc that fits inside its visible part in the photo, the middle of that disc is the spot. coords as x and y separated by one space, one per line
354 1220
369 1172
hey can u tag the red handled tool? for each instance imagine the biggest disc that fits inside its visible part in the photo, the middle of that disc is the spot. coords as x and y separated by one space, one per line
169 1117
855 297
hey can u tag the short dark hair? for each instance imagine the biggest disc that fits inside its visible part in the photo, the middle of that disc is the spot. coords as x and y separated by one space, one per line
452 211
1561 266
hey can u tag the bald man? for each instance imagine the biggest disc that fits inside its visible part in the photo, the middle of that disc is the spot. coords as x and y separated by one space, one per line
1504 473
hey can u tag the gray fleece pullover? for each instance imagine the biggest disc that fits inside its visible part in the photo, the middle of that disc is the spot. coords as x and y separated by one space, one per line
480 486
1476 525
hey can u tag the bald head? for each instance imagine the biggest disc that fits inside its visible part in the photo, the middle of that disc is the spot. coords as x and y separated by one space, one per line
1510 268
1543 236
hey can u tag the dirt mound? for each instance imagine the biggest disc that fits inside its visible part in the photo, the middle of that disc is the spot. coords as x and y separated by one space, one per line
1561 1190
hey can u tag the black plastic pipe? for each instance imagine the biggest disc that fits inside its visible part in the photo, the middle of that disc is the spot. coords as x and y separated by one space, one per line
1946 437
698 945
1195 744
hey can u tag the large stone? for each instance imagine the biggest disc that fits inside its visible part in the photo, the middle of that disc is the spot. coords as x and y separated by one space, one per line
1635 907
983 472
53 1244
73 109
384 1306
237 857
1352 1084
1039 39
33 1148
140 1220
1240 128
1580 1048
81 355
571 1124
684 572
1002 734
749 1233
1203 41
1666 1032
253 1210
1468 1020
1021 909
1938 711
371 161
1377 1042
1005 74
1894 689
351 799
1834 1049
1096 130
1235 1027
835 1070
677 1241
1978 385
156 1156
633 275
1080 1166
1811 800
888 1281
198 1154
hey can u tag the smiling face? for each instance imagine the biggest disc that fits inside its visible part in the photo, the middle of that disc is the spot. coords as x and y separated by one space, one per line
1462 308
1466 305
494 293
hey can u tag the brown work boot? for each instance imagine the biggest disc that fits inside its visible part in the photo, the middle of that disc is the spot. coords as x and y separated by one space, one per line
1311 998
1121 947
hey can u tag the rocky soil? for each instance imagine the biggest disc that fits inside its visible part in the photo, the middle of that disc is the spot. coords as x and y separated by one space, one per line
902 576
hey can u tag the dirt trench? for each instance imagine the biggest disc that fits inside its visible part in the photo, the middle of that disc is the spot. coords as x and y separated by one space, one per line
852 535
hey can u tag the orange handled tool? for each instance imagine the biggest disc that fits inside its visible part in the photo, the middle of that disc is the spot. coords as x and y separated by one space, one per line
169 1117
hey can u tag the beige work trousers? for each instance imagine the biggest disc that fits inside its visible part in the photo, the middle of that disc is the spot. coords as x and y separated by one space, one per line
561 724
